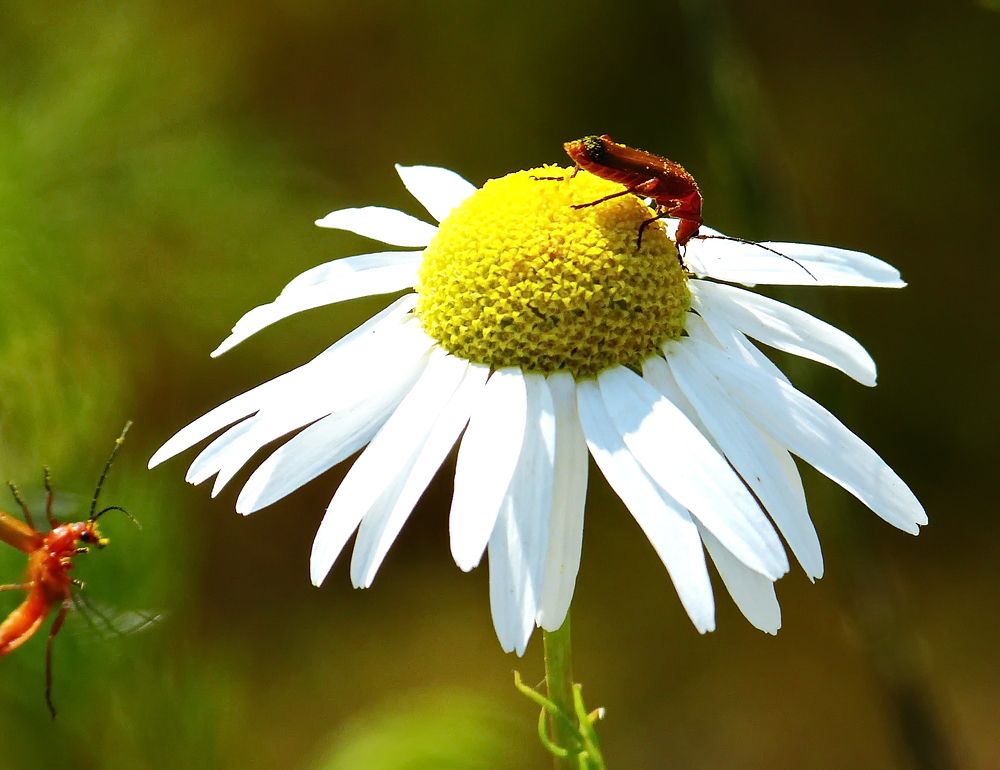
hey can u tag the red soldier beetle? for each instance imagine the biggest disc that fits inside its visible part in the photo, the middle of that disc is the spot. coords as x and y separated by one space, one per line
666 183
50 558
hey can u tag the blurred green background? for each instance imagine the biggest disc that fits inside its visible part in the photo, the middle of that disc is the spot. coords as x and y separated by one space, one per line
161 164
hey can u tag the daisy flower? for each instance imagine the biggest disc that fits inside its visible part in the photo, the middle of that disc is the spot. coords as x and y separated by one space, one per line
544 334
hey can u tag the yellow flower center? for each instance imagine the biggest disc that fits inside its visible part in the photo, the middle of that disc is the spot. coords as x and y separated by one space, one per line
517 277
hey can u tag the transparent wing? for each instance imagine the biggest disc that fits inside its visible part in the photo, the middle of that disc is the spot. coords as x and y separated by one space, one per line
100 621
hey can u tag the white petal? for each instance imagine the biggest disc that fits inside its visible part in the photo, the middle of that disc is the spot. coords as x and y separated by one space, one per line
376 280
233 441
505 605
315 450
518 544
373 360
345 267
239 452
712 328
233 448
377 477
752 592
314 390
794 481
380 323
751 454
569 497
669 527
349 505
438 189
656 372
352 421
232 410
381 224
230 451
751 263
285 386
420 434
694 473
442 438
787 328
697 326
808 430
486 461
224 414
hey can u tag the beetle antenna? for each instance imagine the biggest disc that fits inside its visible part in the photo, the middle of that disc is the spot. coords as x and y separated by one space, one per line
49 497
759 246
104 474
20 501
103 511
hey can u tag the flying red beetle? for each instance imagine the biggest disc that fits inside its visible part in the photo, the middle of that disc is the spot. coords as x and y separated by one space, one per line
50 558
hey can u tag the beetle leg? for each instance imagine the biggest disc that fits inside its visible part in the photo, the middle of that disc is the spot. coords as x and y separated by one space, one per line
642 229
551 178
627 191
646 188
576 170
662 210
56 625
16 587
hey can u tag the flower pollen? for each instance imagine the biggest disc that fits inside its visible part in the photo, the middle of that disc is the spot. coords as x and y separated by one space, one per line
517 277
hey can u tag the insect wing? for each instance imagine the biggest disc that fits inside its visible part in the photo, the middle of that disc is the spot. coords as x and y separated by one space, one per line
100 621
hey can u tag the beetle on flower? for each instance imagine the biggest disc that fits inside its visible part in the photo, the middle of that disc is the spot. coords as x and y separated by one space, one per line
542 332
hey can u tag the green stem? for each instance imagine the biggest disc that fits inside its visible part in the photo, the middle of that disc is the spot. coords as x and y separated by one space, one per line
565 728
559 682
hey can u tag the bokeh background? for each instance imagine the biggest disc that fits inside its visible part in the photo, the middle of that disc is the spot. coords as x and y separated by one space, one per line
161 164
